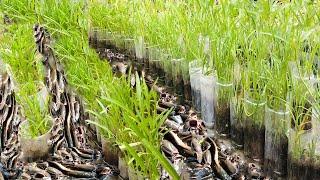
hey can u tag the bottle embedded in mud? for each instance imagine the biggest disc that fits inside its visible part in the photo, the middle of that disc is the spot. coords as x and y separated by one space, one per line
111 153
224 91
93 37
104 39
236 109
177 79
123 168
303 141
107 40
316 135
208 99
186 82
101 38
145 58
254 130
129 47
236 122
276 142
195 74
140 52
299 160
160 68
37 148
119 42
154 59
304 149
316 164
139 49
166 58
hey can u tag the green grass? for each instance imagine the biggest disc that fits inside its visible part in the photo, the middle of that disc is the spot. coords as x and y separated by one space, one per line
129 117
27 73
90 77
262 37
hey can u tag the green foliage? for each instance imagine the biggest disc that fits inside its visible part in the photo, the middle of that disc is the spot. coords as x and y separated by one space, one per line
37 114
240 32
27 73
251 43
130 118
260 36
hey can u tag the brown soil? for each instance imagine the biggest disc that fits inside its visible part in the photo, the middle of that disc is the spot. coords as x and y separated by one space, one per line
316 171
299 169
153 70
179 88
161 76
110 152
187 91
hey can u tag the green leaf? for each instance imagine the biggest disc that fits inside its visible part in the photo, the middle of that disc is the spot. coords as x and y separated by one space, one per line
164 162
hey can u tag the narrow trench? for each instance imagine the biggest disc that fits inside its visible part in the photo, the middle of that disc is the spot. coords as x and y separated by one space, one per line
230 163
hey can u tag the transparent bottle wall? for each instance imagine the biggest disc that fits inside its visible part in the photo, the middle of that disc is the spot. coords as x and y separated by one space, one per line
224 91
208 100
276 141
254 129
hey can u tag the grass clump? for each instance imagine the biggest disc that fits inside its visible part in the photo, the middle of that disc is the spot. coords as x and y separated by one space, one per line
27 73
35 108
129 117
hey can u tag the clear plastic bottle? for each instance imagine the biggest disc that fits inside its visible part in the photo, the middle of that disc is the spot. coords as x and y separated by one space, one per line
236 122
177 79
254 130
195 73
167 60
224 91
129 47
139 49
119 42
186 82
154 59
276 142
208 98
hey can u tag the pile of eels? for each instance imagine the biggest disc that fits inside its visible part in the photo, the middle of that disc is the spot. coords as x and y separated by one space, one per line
69 150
